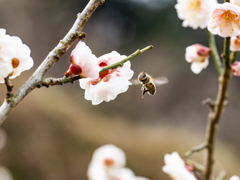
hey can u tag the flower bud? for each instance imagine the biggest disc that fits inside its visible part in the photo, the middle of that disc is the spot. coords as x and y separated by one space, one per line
235 67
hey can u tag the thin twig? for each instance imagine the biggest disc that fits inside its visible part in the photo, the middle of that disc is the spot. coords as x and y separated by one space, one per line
52 58
222 175
216 112
215 55
196 149
60 81
120 63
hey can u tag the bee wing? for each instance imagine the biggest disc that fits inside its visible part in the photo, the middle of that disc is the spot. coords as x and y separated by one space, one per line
135 81
160 80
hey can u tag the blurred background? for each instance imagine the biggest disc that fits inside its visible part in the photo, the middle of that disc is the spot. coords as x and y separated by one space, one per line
53 132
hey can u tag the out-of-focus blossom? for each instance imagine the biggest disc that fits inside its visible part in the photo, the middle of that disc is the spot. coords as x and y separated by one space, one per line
224 20
14 56
198 55
235 44
5 174
110 83
237 2
3 139
83 62
108 163
175 167
234 178
194 13
235 67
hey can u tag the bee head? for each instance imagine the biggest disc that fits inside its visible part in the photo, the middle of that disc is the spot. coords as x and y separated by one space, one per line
142 75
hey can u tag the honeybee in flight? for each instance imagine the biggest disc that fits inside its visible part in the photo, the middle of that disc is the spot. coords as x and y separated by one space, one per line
148 83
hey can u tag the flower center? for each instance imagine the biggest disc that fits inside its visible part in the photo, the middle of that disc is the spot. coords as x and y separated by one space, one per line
15 62
109 162
228 16
195 5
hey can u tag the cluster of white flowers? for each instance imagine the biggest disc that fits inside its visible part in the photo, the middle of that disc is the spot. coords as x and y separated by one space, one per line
4 172
220 19
175 167
14 56
99 86
108 163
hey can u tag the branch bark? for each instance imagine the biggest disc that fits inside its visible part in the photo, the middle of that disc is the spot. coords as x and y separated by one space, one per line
52 58
216 112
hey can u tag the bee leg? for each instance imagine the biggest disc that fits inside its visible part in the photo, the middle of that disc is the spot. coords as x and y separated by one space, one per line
144 91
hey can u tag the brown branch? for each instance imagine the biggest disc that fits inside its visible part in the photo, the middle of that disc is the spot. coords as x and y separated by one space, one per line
216 112
52 58
9 86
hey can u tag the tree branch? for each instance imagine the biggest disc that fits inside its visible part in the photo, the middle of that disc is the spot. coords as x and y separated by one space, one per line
52 58
216 112
9 86
196 149
60 81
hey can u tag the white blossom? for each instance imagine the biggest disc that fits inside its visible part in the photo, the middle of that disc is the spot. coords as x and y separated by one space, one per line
175 167
198 56
5 174
108 163
110 83
14 56
234 178
225 20
83 62
194 13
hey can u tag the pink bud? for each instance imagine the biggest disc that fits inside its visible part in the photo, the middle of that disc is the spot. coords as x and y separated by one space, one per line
235 67
198 55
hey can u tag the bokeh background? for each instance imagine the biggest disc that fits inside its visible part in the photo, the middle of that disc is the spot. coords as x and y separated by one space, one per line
53 132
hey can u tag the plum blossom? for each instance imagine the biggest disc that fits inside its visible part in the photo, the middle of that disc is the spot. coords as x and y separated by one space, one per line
110 83
235 44
175 167
234 178
198 55
14 56
83 62
237 2
235 67
5 174
108 163
224 20
194 13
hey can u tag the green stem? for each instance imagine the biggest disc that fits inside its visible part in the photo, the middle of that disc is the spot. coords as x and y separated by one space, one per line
222 175
233 57
120 63
215 54
60 81
226 56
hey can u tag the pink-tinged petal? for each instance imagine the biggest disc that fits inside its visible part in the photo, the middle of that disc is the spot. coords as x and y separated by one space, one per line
225 20
235 44
82 56
235 67
110 83
5 174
